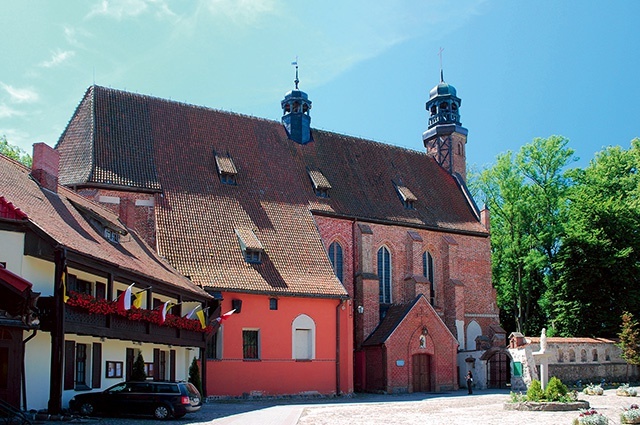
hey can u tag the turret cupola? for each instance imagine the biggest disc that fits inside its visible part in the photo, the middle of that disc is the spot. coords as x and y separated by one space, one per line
443 104
295 113
445 139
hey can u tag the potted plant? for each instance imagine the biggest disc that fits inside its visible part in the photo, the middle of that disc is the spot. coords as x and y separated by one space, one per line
626 391
593 390
630 415
591 417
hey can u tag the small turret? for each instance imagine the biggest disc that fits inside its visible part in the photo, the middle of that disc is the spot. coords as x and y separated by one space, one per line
295 113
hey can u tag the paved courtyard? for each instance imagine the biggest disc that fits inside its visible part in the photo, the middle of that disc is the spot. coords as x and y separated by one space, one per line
483 407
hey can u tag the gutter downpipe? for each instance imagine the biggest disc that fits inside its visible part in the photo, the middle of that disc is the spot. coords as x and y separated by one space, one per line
24 372
338 346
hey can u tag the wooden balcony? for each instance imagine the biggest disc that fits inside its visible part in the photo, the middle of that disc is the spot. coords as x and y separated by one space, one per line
79 321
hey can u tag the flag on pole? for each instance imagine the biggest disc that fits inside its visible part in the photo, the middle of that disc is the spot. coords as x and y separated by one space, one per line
200 314
137 300
192 312
225 316
65 297
165 309
124 301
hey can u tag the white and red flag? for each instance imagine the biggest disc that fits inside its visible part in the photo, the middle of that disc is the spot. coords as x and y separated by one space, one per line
225 316
124 301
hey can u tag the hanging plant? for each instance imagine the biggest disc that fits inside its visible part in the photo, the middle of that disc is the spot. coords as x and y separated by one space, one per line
104 307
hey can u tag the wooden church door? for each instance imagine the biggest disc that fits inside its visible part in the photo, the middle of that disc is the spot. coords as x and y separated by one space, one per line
421 373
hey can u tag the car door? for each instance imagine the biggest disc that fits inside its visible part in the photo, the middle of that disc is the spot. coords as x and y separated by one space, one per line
139 397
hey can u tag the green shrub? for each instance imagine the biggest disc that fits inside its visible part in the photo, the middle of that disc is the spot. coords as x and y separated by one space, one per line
555 390
194 375
535 393
138 373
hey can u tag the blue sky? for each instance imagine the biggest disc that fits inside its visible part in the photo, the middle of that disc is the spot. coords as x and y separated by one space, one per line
523 69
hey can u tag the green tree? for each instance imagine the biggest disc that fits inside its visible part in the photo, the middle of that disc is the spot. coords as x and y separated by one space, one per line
14 152
599 258
525 194
138 373
629 339
194 375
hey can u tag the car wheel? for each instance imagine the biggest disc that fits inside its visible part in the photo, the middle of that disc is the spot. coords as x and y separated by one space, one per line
161 412
87 408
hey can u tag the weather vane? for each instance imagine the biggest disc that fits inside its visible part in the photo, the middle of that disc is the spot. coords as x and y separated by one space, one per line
295 62
441 72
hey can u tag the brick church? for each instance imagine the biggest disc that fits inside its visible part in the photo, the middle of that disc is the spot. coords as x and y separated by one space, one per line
352 265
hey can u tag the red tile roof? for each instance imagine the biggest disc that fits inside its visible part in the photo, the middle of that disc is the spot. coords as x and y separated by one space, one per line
57 215
116 132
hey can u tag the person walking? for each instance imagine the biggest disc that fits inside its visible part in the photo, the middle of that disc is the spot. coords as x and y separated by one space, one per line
469 382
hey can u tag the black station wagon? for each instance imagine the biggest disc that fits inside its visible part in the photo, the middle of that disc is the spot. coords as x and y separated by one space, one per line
160 399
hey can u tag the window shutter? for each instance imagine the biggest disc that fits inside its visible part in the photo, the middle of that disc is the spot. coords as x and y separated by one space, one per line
96 365
69 364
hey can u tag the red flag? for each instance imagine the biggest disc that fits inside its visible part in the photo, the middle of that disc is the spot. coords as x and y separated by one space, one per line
124 302
226 315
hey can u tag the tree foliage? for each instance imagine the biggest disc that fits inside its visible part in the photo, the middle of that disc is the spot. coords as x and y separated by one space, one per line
138 373
565 242
194 375
14 152
599 259
525 194
629 339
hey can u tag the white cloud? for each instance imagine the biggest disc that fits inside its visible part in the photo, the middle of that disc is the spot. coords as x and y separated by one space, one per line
7 112
20 95
119 9
57 58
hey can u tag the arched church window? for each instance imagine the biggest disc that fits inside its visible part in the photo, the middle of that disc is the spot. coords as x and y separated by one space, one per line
427 271
305 108
335 256
434 110
444 106
287 107
454 107
296 106
384 275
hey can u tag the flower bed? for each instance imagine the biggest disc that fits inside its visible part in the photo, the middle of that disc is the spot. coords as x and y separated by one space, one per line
104 307
630 415
591 417
626 391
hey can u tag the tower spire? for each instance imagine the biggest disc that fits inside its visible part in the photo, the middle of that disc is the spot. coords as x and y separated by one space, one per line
295 113
296 81
441 71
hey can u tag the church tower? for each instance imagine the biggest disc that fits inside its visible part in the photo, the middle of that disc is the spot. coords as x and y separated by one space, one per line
445 139
295 114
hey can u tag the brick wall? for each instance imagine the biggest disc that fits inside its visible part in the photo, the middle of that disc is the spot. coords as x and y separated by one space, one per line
136 210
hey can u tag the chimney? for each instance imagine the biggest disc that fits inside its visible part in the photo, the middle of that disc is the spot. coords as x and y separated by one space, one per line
44 170
485 218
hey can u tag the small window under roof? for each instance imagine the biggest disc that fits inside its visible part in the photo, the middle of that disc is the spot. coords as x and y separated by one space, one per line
407 197
226 169
250 245
320 183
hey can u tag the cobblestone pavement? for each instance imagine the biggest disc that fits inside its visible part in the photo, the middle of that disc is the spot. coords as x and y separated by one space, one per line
483 407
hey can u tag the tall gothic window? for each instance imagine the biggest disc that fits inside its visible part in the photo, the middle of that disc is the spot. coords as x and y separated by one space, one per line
335 255
384 275
427 271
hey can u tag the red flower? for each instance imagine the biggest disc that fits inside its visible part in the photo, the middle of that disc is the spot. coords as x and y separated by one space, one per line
104 307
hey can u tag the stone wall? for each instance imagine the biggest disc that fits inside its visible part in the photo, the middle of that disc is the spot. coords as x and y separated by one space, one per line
589 360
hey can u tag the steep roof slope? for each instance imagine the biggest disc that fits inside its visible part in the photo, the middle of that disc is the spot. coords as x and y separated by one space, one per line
58 216
197 214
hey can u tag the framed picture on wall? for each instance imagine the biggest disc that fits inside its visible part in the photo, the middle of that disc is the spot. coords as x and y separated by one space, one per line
113 369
